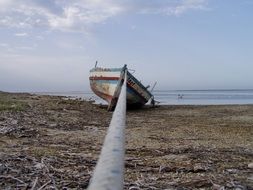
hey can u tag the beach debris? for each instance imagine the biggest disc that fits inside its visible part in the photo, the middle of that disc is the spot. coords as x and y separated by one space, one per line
171 147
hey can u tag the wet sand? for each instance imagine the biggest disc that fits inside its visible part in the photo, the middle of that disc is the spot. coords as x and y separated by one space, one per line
52 142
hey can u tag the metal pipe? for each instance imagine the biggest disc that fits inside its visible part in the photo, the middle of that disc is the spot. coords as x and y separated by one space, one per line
109 171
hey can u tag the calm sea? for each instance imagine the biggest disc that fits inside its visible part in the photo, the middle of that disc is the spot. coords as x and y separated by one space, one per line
181 97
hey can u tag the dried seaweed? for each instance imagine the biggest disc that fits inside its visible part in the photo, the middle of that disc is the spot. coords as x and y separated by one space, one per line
54 142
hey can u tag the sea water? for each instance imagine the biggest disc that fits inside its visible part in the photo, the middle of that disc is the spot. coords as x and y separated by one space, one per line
204 97
180 97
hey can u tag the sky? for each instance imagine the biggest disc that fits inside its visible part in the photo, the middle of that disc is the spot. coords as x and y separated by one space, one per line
50 45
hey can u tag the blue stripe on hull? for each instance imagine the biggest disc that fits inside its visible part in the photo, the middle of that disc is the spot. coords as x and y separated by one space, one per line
106 70
107 81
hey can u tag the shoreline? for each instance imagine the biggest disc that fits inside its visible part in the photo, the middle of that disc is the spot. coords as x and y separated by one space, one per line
55 140
179 97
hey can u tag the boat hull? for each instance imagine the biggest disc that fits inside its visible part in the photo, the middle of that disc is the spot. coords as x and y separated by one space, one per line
106 83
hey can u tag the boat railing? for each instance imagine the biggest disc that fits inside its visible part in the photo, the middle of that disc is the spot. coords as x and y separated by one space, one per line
109 171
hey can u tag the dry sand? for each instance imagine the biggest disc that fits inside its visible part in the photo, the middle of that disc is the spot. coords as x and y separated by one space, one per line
49 142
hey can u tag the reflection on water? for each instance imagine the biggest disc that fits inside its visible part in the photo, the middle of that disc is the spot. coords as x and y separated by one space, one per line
181 97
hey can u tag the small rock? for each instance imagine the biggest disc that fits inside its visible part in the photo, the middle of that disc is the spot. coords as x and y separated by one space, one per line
250 165
250 178
2 168
14 122
39 166
199 168
42 122
164 169
53 125
134 188
13 106
232 171
239 187
217 187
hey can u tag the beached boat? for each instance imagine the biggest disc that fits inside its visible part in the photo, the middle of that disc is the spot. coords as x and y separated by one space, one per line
106 83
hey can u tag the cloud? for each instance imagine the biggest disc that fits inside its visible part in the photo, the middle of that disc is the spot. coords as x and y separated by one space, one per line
3 45
60 15
174 8
77 15
188 5
81 14
5 4
21 34
39 37
26 47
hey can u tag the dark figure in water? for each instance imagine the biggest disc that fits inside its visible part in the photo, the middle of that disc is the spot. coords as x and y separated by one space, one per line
180 96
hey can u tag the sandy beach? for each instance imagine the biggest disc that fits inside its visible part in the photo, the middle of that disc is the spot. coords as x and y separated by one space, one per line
51 142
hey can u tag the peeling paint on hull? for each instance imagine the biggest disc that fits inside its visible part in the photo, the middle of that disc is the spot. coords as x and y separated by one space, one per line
106 83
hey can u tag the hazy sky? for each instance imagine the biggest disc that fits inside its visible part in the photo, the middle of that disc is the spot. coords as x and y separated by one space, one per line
50 45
